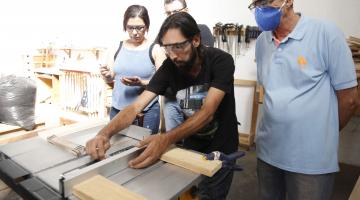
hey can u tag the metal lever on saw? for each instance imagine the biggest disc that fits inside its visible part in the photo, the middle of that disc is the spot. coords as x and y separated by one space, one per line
228 161
76 149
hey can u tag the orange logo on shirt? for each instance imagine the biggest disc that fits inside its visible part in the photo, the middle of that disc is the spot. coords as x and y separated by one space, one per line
302 62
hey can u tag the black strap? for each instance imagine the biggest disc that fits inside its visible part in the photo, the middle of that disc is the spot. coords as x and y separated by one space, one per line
150 52
118 50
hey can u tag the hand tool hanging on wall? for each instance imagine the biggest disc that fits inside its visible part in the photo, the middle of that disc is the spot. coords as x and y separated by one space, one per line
217 34
251 32
224 39
232 38
247 36
239 33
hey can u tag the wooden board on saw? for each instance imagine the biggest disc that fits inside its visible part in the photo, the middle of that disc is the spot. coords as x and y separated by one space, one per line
73 128
5 128
20 135
355 194
4 190
100 188
10 134
354 44
192 161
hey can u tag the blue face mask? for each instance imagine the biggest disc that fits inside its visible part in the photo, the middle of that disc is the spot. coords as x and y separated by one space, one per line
268 18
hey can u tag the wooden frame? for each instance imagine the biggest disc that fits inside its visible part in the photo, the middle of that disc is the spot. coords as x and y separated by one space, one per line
247 140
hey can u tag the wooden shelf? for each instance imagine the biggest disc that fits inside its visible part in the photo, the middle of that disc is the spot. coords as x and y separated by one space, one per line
50 78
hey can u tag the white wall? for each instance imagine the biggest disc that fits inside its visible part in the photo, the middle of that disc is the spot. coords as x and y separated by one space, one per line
26 24
30 24
345 13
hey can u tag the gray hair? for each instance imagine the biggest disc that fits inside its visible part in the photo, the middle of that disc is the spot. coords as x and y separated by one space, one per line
183 2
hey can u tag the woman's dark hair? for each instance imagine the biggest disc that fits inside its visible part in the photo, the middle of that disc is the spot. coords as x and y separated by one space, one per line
136 11
182 21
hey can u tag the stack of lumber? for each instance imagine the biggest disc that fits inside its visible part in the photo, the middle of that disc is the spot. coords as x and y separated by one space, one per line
354 44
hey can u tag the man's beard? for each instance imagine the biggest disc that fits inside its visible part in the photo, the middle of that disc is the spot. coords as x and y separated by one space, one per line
186 66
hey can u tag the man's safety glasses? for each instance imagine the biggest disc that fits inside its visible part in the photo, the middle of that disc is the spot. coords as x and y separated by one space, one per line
176 47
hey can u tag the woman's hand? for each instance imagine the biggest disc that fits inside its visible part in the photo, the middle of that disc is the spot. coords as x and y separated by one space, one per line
132 81
106 73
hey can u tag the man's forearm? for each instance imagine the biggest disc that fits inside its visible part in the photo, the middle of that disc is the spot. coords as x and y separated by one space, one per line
348 101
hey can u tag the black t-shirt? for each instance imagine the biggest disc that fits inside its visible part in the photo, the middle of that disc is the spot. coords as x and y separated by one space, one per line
217 71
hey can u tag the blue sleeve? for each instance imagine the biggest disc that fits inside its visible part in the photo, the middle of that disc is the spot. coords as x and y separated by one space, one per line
340 64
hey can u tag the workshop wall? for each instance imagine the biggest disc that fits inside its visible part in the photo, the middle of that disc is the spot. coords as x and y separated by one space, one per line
27 25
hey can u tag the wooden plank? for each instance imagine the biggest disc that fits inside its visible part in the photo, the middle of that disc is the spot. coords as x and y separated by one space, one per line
192 161
73 128
100 188
5 128
355 194
5 193
255 110
240 82
21 135
354 39
247 140
260 91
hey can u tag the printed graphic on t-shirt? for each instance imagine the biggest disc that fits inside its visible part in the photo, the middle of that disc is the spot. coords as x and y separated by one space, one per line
190 100
302 62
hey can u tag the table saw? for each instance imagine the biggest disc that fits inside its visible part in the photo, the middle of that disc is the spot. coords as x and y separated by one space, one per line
37 169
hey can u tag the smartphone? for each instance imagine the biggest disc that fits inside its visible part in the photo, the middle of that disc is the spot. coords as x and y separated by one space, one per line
131 78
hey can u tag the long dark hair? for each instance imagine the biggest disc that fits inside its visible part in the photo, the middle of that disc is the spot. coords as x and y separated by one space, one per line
136 11
185 23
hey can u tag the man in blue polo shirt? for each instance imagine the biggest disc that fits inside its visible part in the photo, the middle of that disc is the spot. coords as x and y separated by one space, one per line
308 75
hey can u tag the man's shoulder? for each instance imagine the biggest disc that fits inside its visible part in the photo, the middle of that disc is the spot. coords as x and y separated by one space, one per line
316 24
216 58
203 27
206 36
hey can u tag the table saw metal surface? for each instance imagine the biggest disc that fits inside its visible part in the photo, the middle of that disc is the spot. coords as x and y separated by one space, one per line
55 167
